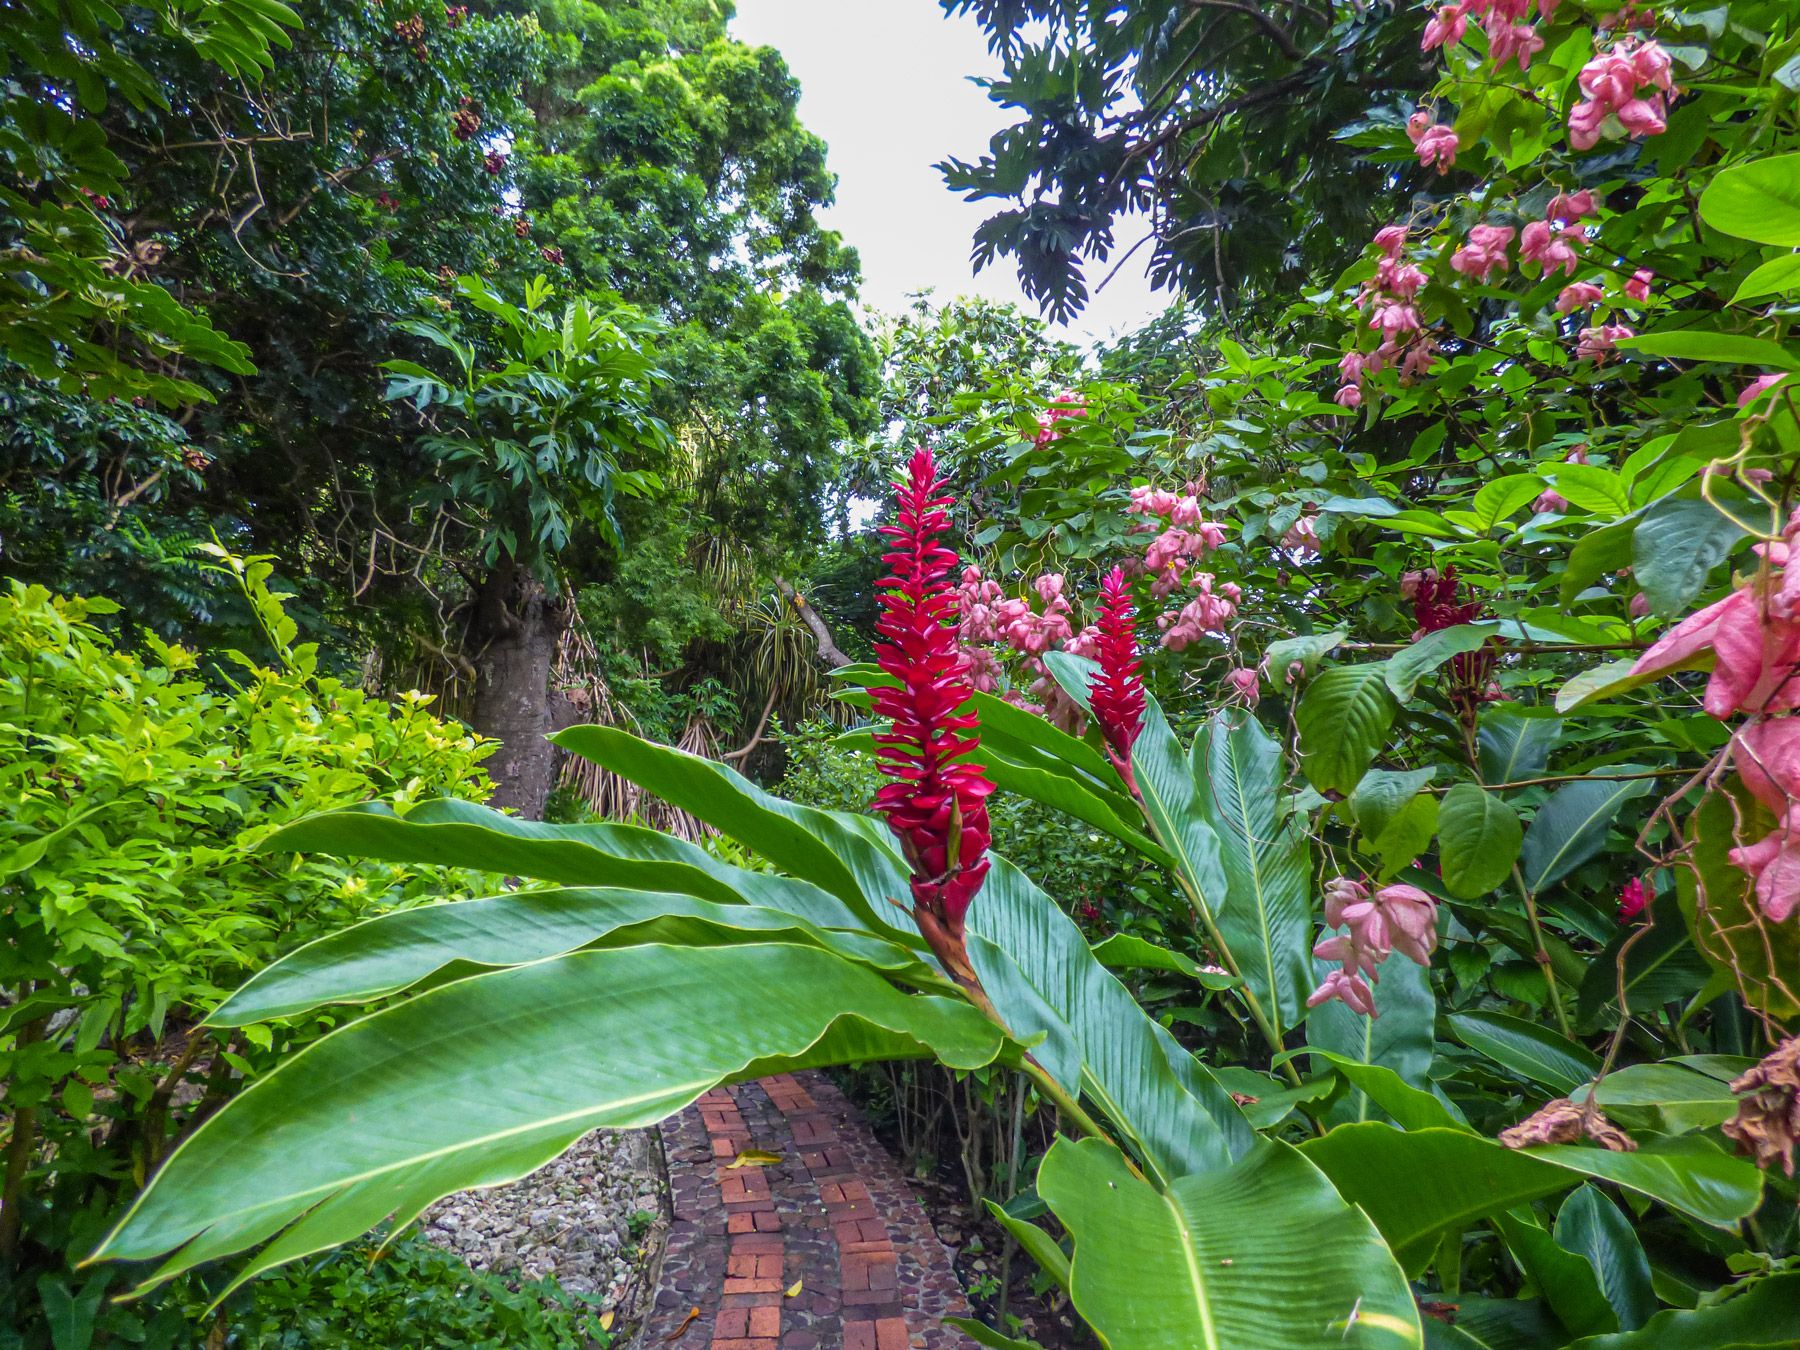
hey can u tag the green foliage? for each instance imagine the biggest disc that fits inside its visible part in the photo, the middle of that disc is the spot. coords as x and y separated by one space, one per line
539 440
140 787
410 1293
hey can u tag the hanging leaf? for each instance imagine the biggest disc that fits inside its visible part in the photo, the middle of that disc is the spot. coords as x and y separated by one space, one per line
1515 742
1758 201
1675 548
1479 837
1344 718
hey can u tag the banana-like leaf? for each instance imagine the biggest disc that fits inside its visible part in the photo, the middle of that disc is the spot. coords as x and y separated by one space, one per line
399 950
450 833
853 857
1411 1108
1767 1313
1566 1281
1176 1115
1592 1227
1264 1254
1266 915
1038 1244
1401 1039
479 1082
1128 951
1217 810
1417 1185
1554 1062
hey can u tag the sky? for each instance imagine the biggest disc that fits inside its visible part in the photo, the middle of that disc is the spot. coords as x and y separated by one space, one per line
884 82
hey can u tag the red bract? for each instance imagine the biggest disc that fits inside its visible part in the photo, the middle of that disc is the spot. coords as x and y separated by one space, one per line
937 801
1632 899
1117 696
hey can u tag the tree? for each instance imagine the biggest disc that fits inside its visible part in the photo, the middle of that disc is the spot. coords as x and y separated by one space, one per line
1232 133
533 442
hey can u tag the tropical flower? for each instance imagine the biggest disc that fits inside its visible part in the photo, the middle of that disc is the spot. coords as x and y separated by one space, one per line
1117 691
936 802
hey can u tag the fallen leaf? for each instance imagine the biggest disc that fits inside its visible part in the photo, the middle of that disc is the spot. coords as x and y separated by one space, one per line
793 1290
606 1320
686 1322
753 1157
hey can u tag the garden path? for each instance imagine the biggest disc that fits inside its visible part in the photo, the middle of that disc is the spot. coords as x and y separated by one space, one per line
822 1249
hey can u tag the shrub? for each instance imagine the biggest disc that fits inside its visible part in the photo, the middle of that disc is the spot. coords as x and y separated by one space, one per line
136 789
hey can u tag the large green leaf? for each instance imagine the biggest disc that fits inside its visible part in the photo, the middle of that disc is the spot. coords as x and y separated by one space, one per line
1405 668
1759 200
1567 1281
1400 1038
1262 1255
853 857
481 1081
1675 548
1478 840
1571 827
1416 1185
1536 1052
1592 1227
1765 1314
1034 960
1343 718
1697 344
449 833
1025 754
1515 742
396 951
1265 917
1674 1098
1128 951
1383 794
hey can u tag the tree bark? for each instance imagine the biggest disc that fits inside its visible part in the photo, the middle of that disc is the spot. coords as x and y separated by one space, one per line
517 628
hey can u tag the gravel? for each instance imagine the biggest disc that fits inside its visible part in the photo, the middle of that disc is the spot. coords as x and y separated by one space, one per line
572 1219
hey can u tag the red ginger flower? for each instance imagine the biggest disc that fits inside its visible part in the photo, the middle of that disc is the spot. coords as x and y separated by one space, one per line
1117 696
937 801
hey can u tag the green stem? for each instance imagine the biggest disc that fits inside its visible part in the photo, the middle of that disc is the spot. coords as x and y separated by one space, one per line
1542 954
1070 1109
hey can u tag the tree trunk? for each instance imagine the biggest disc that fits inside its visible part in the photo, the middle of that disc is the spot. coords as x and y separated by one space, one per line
514 640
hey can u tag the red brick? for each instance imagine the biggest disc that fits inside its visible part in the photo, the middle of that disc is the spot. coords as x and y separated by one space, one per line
768 1221
859 1336
740 1223
890 1334
768 1267
741 1343
756 1243
765 1321
733 1322
752 1286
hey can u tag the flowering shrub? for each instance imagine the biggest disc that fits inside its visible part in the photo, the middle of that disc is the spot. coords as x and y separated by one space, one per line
1391 658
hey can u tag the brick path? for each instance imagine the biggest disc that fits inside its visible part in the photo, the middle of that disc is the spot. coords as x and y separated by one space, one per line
833 1217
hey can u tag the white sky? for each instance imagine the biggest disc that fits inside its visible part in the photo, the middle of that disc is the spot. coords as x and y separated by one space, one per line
884 83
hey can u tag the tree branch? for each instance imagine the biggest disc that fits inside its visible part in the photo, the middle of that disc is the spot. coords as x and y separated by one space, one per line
829 652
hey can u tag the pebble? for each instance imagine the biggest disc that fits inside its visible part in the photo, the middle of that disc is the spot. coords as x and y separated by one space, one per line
570 1219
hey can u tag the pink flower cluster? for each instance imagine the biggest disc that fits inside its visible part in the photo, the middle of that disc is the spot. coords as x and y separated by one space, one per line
1599 341
1433 142
1183 537
1394 917
1065 405
1509 36
1485 253
990 616
1626 90
1389 297
1753 638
